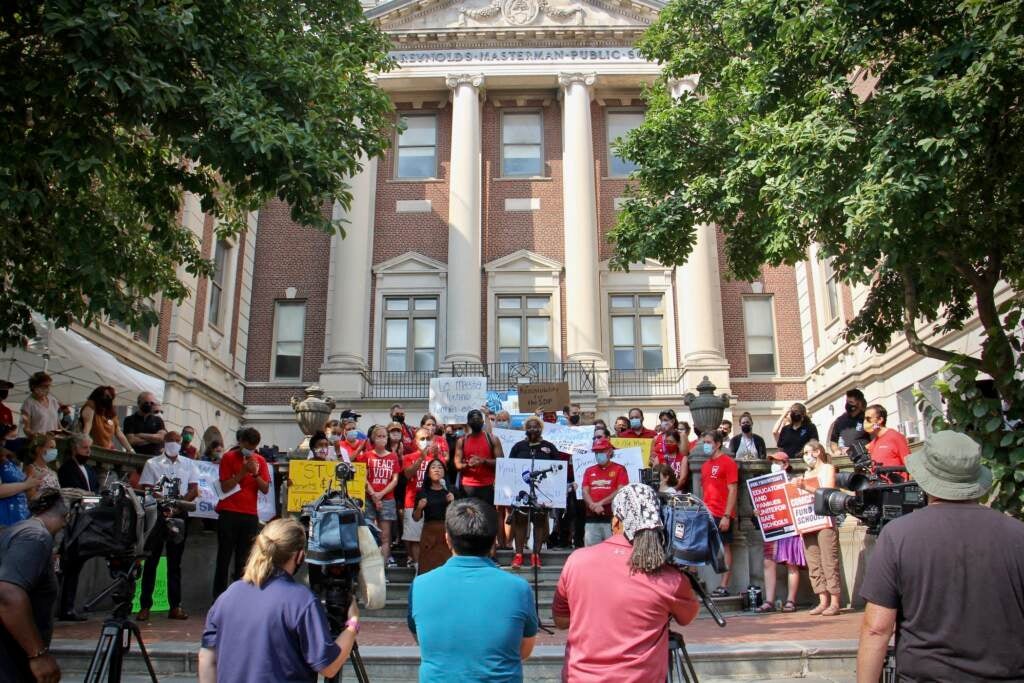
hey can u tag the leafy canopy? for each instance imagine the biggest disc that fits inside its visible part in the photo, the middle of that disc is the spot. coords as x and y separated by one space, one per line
110 110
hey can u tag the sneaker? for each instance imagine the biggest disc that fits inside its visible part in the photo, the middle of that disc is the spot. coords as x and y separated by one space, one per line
535 560
517 561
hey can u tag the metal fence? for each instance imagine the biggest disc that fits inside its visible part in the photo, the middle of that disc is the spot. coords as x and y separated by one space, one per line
660 382
580 375
412 384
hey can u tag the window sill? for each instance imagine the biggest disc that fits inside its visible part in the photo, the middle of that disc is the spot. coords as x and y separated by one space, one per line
407 181
525 178
616 177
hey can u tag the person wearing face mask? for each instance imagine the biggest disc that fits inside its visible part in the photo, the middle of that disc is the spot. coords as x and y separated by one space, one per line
636 428
600 483
188 442
40 413
429 422
573 414
408 433
181 470
213 451
475 458
382 466
821 547
144 428
414 467
75 473
888 447
533 448
243 475
667 422
719 480
852 418
98 419
502 420
320 448
622 426
677 458
747 445
793 430
38 457
270 627
6 416
351 446
788 551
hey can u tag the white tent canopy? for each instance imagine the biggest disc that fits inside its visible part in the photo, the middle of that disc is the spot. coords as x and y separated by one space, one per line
77 366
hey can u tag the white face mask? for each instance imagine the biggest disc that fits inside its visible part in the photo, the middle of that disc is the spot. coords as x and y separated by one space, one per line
172 448
778 467
423 444
810 459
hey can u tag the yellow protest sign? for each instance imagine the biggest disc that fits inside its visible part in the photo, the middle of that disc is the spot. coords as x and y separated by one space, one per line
644 444
309 479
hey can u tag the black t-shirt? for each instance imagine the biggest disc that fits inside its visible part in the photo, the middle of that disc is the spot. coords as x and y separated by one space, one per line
844 422
955 575
26 560
793 439
437 504
542 450
137 423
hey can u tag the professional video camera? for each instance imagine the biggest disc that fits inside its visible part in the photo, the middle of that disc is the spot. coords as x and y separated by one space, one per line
171 504
113 524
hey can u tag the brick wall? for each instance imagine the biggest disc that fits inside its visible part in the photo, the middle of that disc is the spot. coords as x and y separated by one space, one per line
202 287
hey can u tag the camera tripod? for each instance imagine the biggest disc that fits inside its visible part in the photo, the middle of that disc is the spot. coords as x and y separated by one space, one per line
680 666
118 629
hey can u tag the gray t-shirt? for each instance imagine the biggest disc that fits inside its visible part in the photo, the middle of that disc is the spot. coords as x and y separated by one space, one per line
26 560
955 575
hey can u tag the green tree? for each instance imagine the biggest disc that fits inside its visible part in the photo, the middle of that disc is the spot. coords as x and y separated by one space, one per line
110 110
889 133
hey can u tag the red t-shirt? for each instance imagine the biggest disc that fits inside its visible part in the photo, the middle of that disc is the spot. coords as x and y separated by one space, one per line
350 449
480 446
715 476
379 470
188 451
413 486
890 449
642 433
6 416
602 481
244 501
441 443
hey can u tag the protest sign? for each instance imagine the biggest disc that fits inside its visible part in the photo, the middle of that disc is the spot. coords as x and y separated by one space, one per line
508 438
512 483
451 398
802 505
547 396
160 601
566 438
643 444
630 458
768 494
502 400
210 494
311 478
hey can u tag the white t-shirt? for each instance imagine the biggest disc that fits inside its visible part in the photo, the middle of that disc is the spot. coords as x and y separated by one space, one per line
181 468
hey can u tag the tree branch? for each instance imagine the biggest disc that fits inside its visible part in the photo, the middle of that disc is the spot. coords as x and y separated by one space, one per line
918 345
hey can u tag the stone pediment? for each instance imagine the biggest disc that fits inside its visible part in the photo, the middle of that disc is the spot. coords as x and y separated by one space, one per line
402 16
523 261
410 262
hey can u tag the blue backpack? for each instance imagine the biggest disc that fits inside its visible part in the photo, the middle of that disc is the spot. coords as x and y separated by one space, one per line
333 532
691 537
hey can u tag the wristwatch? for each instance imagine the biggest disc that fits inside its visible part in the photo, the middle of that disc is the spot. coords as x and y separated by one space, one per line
353 623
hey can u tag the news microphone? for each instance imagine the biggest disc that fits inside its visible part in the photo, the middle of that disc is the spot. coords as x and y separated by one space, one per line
444 484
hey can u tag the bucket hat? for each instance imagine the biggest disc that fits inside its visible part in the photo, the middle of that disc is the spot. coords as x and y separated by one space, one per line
949 467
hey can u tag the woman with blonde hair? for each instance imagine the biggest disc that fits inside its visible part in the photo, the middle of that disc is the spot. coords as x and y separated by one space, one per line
269 627
821 548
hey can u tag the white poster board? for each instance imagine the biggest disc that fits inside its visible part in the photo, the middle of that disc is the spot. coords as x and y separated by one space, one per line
630 458
451 398
210 493
512 487
567 438
508 438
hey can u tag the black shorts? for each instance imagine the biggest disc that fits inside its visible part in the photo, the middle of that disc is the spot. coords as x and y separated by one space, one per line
726 535
485 493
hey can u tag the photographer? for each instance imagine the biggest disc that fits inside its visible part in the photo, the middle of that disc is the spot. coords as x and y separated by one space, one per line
270 627
28 589
949 577
533 448
622 587
179 471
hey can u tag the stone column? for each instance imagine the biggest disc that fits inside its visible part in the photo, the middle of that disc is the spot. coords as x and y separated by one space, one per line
349 296
463 315
579 199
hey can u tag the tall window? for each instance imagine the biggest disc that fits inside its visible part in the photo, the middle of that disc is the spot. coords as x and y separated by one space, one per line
220 261
524 328
521 146
637 337
759 323
417 147
831 289
620 123
410 333
289 325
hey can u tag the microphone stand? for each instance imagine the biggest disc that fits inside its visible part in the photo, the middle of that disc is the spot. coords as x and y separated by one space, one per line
533 508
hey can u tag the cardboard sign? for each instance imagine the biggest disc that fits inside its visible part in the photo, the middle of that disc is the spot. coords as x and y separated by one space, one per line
566 439
802 504
630 458
451 398
311 478
210 493
644 445
512 483
550 396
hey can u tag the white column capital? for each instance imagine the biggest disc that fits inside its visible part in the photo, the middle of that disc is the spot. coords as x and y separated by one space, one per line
678 86
453 81
568 79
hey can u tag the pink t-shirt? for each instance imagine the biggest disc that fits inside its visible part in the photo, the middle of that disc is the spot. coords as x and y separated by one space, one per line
596 588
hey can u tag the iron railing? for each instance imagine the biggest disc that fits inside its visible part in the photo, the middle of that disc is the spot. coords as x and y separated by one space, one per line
397 383
580 375
660 382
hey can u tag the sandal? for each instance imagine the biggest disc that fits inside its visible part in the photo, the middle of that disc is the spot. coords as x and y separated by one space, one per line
790 606
766 607
817 610
720 592
830 612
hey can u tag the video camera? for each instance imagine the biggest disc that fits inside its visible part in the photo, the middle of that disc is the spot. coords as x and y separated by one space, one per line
113 524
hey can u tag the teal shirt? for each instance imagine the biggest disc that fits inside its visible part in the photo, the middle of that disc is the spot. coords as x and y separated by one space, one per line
470 617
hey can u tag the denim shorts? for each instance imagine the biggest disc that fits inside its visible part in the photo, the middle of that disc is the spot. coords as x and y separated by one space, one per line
387 513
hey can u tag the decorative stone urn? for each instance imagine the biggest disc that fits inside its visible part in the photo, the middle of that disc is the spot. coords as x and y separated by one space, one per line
312 412
706 408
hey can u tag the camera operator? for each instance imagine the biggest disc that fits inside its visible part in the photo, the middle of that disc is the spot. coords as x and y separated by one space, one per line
170 466
28 589
270 627
244 475
534 448
888 447
617 597
949 577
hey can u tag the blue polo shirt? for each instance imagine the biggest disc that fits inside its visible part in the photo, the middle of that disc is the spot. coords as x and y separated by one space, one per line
470 617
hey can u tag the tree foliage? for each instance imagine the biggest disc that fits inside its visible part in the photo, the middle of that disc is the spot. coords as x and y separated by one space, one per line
110 110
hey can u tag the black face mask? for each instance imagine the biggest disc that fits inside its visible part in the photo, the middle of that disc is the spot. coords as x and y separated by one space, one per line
574 419
795 416
851 409
476 426
533 434
146 407
3 394
746 429
400 419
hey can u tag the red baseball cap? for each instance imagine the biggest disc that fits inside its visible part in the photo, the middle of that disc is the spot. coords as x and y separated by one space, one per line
602 444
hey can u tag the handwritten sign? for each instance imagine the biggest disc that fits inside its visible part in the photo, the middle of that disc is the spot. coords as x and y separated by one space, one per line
512 482
643 444
502 400
210 493
802 504
768 494
160 601
630 458
451 398
508 438
550 396
566 438
311 478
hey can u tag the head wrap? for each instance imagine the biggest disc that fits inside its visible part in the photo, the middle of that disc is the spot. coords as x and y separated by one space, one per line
637 506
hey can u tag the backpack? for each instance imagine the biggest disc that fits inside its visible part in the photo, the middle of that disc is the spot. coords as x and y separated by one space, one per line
691 537
333 532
